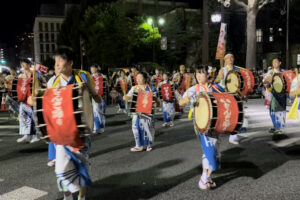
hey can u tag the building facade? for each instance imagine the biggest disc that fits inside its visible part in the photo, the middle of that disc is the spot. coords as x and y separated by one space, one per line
46 30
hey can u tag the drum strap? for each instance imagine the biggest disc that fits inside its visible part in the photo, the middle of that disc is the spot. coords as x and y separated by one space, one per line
59 77
198 86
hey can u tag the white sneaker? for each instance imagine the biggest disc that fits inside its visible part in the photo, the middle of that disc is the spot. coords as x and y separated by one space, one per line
234 139
51 163
171 124
100 131
234 142
24 139
124 111
165 124
119 110
202 185
34 139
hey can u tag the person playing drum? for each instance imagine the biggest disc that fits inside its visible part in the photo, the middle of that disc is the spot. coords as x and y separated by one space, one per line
26 117
132 76
99 108
278 103
122 85
156 78
142 127
72 164
183 80
220 80
168 106
211 155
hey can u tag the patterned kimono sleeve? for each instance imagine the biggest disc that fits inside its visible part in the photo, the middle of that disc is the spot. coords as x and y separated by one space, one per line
191 93
130 92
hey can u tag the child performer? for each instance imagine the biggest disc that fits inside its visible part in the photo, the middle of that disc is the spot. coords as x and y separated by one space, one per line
142 127
211 156
168 105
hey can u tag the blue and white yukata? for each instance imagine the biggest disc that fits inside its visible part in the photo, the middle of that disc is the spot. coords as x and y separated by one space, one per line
143 128
277 106
99 110
210 145
26 117
72 165
221 87
168 108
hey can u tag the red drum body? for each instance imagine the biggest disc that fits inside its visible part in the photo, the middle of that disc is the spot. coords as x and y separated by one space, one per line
225 116
282 82
64 115
24 86
242 81
166 92
186 81
100 85
142 103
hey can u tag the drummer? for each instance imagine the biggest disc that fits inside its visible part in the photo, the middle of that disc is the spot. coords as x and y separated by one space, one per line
142 128
168 107
220 87
72 164
26 118
211 155
122 85
278 103
132 76
98 108
156 78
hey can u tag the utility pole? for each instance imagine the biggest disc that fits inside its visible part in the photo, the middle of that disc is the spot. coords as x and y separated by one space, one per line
287 55
205 41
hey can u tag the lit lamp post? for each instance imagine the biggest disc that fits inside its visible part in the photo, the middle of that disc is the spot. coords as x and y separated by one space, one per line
150 21
216 18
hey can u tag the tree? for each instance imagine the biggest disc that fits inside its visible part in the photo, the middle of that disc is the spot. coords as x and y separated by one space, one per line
252 7
70 33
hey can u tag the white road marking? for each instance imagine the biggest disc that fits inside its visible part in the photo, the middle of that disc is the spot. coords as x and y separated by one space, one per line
1 179
9 126
285 142
24 192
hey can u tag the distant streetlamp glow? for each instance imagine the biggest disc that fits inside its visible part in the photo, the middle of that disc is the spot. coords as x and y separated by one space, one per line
161 21
150 21
216 17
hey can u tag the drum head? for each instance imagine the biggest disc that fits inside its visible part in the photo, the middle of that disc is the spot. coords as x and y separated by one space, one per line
232 82
87 108
277 83
202 113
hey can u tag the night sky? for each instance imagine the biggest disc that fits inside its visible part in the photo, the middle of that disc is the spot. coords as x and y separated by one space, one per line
17 16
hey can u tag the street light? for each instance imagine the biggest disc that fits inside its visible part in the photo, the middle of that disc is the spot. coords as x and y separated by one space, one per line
161 21
216 17
150 21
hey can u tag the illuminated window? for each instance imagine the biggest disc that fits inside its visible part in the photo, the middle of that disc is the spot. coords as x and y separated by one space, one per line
259 35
